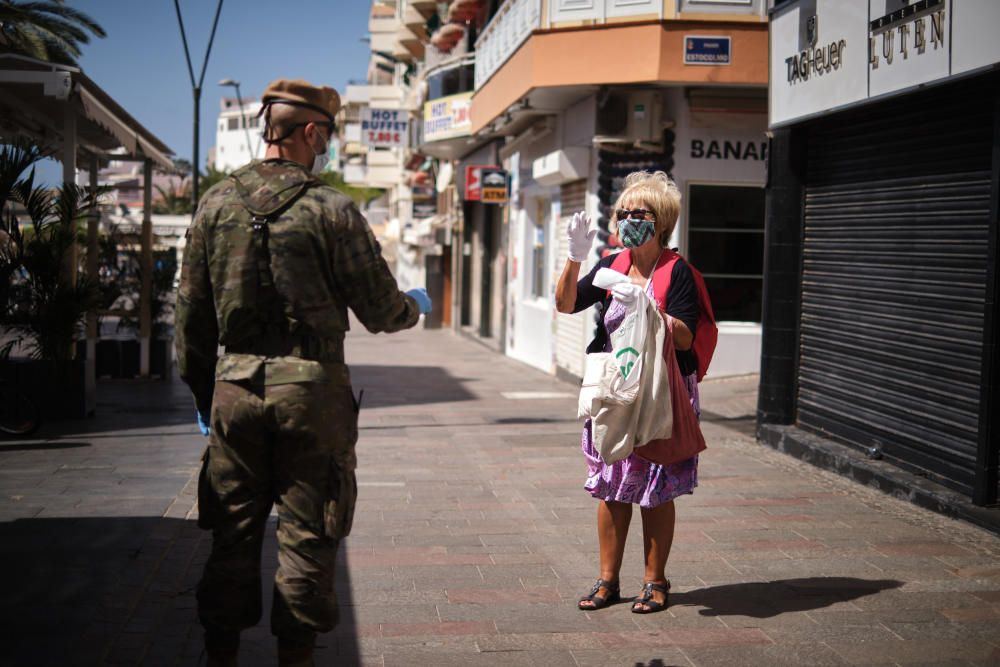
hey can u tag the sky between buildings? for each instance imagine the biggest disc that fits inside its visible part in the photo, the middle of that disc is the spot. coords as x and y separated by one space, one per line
141 61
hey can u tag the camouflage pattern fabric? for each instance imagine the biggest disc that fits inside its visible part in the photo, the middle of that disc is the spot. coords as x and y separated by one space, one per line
323 259
273 261
291 445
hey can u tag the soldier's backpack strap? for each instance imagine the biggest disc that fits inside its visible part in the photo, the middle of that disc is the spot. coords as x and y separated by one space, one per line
268 300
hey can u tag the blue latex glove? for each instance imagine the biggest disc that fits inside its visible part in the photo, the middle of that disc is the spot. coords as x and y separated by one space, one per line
203 425
419 294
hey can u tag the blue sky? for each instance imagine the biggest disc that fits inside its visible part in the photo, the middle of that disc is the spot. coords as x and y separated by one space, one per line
141 61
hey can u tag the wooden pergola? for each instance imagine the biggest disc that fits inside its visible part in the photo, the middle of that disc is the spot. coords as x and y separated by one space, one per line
61 108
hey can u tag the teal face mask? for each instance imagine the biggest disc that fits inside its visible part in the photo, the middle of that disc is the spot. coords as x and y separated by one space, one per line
633 233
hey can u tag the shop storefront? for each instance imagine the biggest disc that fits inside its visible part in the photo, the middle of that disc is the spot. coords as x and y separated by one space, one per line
720 149
479 254
880 299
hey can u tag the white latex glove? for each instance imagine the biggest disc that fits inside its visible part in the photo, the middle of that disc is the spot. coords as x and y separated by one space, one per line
580 236
626 293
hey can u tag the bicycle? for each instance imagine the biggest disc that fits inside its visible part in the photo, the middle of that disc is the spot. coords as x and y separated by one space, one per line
19 415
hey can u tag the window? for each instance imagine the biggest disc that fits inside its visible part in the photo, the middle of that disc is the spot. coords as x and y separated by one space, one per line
537 245
451 81
234 123
726 243
253 122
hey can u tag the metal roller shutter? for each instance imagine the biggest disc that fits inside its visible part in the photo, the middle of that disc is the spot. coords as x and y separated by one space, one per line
894 264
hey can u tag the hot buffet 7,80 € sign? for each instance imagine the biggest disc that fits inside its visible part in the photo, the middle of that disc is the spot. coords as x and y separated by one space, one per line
384 127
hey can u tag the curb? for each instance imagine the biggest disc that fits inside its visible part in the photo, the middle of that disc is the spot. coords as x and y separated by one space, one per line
843 460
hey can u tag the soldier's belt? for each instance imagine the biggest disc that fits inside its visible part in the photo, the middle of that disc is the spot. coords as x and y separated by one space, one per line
303 347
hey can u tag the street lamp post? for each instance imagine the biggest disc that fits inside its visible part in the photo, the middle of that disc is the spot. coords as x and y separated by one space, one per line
243 118
196 92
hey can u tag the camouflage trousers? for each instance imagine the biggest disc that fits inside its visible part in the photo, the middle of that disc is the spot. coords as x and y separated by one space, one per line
289 445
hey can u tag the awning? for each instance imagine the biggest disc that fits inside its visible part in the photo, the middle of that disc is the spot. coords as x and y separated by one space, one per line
35 97
464 10
444 176
447 36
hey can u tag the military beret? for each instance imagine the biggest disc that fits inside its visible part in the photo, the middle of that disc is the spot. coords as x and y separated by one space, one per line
302 93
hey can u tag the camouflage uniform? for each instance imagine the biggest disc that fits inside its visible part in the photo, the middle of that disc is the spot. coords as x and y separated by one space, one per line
274 295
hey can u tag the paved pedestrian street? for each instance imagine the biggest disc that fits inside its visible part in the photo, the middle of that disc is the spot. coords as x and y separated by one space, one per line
473 538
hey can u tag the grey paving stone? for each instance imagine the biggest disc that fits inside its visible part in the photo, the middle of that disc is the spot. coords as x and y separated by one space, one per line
790 655
631 657
772 559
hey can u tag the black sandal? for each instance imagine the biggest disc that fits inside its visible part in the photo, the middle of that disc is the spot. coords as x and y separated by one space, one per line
646 598
614 595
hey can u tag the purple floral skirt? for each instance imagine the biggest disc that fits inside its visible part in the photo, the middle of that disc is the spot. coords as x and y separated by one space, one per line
634 479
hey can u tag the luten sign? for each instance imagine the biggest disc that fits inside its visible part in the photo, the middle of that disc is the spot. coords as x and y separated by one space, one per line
906 31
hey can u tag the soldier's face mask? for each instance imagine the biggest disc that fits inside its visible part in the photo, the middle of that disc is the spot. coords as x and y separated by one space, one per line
322 155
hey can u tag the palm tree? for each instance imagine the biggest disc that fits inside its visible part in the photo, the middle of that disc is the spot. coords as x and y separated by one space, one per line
45 30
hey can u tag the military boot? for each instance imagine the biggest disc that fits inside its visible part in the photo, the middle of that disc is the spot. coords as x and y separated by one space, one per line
222 648
295 655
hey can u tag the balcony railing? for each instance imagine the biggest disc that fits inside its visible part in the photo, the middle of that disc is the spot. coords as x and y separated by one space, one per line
502 36
516 19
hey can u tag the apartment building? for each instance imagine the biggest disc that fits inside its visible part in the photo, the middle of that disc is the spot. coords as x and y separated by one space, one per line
556 102
237 134
386 143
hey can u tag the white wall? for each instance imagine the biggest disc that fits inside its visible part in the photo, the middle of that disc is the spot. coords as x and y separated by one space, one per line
573 332
231 145
529 318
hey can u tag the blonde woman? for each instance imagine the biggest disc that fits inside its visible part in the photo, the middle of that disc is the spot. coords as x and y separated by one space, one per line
645 215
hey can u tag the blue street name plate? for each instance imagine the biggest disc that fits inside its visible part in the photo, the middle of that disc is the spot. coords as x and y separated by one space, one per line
707 50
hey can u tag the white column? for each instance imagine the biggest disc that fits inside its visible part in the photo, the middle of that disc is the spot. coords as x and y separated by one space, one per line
69 176
146 262
93 223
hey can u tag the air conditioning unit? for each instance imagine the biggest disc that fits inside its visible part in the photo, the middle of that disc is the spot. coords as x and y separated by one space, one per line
629 117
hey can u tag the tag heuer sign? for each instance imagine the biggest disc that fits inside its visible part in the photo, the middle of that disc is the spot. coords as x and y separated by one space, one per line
493 182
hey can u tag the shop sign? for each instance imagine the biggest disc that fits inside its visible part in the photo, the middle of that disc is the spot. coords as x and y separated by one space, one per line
711 149
818 58
494 185
424 201
473 181
832 54
448 117
906 47
384 128
707 50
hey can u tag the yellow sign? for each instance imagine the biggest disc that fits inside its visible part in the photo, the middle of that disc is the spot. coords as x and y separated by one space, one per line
495 195
448 117
494 185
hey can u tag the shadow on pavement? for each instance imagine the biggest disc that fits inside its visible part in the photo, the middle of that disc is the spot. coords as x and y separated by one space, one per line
52 444
407 385
85 591
770 598
742 424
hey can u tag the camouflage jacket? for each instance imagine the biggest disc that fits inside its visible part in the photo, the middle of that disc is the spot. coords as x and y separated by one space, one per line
320 259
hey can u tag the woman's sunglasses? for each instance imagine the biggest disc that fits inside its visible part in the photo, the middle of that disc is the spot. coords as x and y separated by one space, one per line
638 213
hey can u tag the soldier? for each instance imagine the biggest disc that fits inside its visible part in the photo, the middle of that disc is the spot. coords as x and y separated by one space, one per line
274 259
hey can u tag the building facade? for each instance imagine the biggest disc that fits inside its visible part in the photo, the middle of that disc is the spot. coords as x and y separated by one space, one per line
540 96
880 307
237 134
572 108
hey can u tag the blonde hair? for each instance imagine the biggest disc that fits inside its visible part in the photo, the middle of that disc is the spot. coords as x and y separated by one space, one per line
656 192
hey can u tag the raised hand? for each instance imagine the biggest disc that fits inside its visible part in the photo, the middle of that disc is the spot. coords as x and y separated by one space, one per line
580 236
